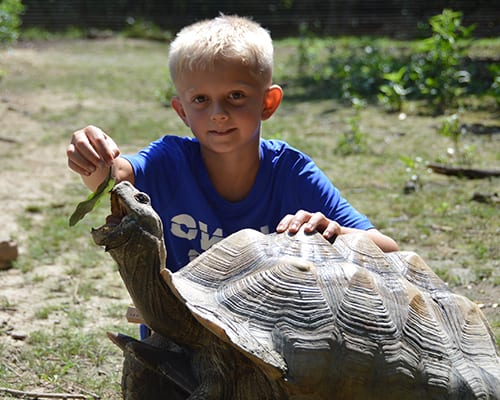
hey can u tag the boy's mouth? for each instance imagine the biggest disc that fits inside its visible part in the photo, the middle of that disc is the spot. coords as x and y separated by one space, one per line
222 132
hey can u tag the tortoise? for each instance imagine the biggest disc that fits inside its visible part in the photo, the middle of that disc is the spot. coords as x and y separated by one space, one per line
280 316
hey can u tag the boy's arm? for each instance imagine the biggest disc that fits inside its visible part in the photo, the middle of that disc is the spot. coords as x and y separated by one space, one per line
385 242
330 229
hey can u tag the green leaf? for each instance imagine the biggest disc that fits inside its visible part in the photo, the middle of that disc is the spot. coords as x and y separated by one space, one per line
92 201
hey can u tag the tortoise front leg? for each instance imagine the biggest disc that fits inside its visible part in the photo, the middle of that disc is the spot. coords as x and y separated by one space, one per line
154 369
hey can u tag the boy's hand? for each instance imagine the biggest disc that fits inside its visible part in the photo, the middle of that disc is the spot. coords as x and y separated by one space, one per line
330 229
310 222
91 149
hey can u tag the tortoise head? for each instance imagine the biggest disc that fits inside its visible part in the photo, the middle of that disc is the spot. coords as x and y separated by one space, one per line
131 214
133 236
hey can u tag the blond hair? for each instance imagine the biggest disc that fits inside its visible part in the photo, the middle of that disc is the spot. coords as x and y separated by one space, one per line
199 46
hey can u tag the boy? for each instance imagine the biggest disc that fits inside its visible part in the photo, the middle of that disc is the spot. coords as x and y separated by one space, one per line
226 178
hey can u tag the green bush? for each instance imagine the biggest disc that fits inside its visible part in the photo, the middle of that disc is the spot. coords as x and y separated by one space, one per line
459 153
353 140
437 71
392 94
495 85
10 21
141 29
432 71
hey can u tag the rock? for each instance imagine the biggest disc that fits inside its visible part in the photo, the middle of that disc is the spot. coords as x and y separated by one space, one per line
18 335
8 253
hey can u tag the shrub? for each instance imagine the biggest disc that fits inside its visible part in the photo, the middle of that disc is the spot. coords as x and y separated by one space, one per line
451 128
142 29
436 69
392 94
495 85
10 21
353 140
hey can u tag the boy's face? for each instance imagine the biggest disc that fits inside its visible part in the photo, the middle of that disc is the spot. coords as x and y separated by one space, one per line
224 107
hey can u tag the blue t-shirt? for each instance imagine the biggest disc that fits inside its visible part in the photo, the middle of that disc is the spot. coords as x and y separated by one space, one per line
194 216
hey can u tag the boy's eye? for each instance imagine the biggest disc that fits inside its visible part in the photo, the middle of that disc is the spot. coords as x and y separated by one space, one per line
199 99
236 96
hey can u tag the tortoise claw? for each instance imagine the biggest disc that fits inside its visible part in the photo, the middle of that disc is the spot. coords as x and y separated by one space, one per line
174 365
120 339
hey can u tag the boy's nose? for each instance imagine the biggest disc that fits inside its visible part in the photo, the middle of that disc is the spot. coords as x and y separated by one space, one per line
218 112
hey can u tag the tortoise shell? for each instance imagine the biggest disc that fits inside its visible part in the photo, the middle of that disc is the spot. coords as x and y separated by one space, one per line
346 314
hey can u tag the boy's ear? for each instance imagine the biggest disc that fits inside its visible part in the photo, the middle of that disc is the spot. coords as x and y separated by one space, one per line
272 100
179 109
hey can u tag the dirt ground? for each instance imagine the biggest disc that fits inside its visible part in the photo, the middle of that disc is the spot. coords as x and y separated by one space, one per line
32 172
29 174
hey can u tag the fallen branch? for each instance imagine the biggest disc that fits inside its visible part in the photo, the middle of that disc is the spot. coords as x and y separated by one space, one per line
471 173
8 140
34 395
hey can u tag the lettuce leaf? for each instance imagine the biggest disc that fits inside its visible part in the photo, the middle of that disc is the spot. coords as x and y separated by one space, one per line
91 202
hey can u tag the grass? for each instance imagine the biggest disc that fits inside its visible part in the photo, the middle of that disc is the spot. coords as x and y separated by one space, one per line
117 84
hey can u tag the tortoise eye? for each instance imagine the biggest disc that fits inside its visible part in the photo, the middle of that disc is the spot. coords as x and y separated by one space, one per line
142 198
